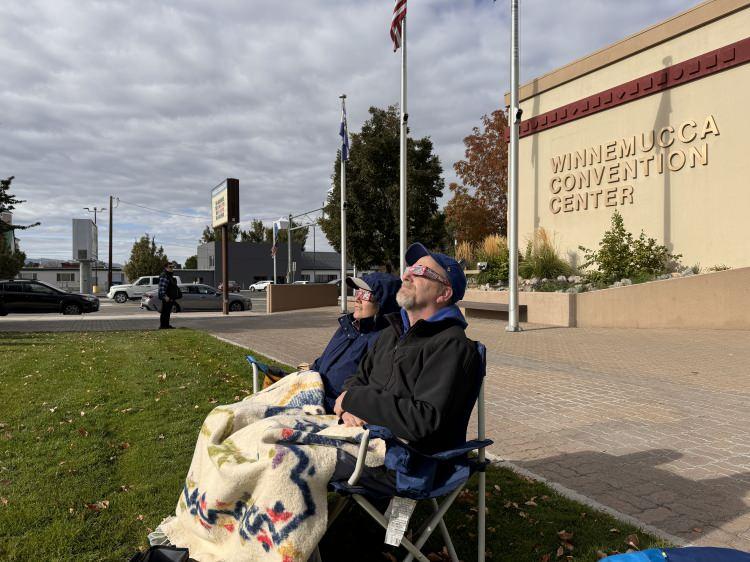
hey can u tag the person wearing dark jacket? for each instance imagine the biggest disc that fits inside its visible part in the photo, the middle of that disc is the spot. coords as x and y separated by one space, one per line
374 297
417 379
169 292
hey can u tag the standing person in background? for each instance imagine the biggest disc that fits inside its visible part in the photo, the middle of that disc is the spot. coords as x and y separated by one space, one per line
169 292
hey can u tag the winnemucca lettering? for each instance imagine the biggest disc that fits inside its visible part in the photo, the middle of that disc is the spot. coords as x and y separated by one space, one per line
597 168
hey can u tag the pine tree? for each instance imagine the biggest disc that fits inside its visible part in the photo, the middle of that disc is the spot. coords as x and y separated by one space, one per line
145 259
11 258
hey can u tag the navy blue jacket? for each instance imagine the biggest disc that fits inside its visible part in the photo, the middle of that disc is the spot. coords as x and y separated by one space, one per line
351 341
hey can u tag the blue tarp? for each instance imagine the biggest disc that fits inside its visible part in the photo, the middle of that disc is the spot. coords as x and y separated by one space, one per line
689 554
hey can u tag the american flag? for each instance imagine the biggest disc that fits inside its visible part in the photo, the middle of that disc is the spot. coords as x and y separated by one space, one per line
275 240
399 13
344 134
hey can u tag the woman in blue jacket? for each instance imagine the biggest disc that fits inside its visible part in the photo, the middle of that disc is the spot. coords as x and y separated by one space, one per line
374 297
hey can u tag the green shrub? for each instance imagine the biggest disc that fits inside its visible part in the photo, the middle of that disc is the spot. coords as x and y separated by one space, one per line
720 267
498 270
541 259
622 256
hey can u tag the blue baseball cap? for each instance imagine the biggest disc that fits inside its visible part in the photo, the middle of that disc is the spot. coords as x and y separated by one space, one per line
454 270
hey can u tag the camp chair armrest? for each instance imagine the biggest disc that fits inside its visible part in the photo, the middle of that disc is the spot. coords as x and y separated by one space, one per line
265 368
388 436
361 456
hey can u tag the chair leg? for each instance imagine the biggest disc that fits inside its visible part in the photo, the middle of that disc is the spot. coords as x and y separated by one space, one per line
413 550
446 534
337 510
481 517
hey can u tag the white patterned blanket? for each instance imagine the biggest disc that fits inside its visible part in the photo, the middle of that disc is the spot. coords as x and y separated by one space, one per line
256 489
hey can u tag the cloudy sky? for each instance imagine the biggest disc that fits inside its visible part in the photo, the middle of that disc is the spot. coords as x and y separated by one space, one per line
155 102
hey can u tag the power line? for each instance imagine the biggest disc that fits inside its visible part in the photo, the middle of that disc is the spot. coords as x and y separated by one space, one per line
162 212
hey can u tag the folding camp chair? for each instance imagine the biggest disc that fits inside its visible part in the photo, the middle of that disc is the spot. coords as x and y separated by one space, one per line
259 368
424 477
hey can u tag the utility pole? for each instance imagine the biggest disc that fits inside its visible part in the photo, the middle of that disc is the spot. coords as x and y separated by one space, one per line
96 258
109 264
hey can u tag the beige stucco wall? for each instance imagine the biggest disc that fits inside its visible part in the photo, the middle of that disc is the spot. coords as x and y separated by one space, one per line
718 300
552 309
701 211
280 298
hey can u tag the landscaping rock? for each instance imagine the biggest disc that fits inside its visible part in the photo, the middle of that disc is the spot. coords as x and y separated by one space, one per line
625 282
617 284
562 278
575 279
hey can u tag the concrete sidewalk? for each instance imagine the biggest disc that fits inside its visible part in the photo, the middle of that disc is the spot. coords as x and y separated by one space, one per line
654 424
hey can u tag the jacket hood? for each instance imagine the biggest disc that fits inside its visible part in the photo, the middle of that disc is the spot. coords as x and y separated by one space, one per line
384 286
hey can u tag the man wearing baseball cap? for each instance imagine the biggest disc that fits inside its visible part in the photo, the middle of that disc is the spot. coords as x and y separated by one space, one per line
417 380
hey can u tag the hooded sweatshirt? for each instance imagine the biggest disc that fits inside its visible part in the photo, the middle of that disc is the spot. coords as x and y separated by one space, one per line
351 341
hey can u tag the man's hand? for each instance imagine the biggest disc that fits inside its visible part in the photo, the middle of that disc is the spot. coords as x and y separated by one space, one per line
338 408
350 420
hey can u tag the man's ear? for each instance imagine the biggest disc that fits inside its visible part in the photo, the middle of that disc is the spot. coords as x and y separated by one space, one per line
445 296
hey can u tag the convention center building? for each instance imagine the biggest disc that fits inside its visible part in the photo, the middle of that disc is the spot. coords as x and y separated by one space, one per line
656 127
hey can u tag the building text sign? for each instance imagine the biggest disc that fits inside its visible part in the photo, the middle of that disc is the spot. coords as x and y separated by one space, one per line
606 175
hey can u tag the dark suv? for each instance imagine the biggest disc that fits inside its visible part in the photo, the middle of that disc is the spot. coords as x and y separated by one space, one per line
21 295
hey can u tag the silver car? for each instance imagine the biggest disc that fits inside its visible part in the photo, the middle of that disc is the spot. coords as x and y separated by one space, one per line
198 297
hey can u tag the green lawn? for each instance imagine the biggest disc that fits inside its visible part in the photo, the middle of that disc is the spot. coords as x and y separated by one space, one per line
97 432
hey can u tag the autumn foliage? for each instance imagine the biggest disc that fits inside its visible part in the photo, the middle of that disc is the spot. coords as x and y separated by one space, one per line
479 206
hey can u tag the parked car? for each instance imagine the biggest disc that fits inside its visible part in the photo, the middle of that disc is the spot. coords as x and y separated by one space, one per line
142 285
198 297
301 283
21 295
234 287
260 285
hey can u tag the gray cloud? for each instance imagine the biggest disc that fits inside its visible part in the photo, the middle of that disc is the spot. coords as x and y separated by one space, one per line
157 102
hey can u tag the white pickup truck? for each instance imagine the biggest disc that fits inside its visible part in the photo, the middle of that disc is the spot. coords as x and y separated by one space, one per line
124 293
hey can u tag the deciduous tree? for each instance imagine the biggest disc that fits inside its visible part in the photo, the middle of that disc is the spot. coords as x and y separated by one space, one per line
145 259
372 185
191 262
256 232
483 171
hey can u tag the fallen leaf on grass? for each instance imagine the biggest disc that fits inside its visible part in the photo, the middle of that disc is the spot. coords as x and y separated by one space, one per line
614 530
125 488
564 535
545 558
4 501
98 506
560 551
633 542
83 432
124 445
140 518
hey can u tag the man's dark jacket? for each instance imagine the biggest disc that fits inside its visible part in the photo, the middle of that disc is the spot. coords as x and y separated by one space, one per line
420 383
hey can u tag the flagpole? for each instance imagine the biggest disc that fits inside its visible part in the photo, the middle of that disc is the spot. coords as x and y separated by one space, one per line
513 117
404 118
344 304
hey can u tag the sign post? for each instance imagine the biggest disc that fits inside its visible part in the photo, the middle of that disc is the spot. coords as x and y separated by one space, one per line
225 212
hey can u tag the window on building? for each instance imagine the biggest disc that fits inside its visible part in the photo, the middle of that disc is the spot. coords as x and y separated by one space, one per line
210 261
62 277
31 276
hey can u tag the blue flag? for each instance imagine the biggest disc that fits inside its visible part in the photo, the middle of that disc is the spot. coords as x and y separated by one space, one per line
344 134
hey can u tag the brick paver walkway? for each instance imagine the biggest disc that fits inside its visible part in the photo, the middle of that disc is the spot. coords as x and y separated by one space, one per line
652 423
